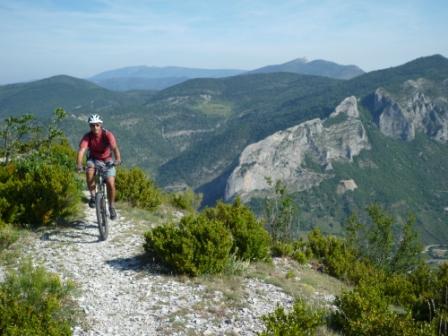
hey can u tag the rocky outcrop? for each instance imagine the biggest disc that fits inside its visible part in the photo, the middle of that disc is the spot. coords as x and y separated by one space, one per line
300 156
346 185
412 111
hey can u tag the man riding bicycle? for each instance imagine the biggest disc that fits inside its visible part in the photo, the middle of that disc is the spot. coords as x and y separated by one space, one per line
101 144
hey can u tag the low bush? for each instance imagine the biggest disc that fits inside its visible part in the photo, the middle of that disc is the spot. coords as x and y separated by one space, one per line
210 241
197 246
35 302
186 200
8 235
37 193
297 250
368 311
301 251
136 188
336 256
300 321
282 249
37 180
250 239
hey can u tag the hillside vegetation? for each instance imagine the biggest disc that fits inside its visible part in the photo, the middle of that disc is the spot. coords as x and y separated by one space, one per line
191 134
394 291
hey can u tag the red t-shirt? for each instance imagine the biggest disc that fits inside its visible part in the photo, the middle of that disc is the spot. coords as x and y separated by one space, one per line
99 145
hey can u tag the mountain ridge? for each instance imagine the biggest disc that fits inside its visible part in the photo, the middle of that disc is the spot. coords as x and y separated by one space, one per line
158 78
314 67
192 134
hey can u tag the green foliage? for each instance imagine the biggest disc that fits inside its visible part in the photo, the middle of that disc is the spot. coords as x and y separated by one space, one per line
250 240
380 238
216 240
300 321
339 259
23 134
297 250
408 253
197 246
39 188
18 135
367 250
367 311
8 235
35 302
439 302
377 242
281 249
280 212
135 187
186 200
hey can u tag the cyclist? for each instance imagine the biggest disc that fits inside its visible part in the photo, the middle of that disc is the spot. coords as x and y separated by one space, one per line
101 143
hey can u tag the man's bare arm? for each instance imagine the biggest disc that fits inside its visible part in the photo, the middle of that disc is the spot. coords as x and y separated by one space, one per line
80 156
117 154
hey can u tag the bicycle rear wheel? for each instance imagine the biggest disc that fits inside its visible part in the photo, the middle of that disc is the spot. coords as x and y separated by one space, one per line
101 215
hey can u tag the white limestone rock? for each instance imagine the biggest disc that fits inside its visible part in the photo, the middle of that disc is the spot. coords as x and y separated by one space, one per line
412 112
284 155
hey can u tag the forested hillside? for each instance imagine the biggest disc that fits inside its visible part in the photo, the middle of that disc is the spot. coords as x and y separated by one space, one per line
192 134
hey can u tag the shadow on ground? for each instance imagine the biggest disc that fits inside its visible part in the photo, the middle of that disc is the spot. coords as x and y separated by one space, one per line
76 232
139 263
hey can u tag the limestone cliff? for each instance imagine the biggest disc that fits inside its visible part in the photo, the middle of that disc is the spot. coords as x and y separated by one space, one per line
412 110
302 155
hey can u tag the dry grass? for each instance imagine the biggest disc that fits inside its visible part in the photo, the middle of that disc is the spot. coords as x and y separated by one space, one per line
297 280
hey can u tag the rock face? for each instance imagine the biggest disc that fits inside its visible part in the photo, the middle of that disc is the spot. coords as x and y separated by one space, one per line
346 185
287 155
412 112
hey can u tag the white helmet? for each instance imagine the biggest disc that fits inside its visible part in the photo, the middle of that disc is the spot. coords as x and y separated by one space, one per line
95 119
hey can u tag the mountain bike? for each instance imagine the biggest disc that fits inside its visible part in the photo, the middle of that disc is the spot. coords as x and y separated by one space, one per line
101 197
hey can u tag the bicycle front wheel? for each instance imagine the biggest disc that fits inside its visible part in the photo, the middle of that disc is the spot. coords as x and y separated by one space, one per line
101 215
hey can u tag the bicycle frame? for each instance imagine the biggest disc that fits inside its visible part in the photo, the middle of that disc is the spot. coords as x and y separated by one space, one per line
101 198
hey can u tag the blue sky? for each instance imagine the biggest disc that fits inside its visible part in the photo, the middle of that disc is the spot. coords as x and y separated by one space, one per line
42 38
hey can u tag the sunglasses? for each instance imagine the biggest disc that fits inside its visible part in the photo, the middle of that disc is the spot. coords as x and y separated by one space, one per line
95 125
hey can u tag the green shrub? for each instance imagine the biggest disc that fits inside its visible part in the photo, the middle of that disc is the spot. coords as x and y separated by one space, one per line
297 250
35 302
197 246
186 200
135 187
37 193
378 244
336 256
282 249
368 311
301 251
300 321
250 240
280 211
8 235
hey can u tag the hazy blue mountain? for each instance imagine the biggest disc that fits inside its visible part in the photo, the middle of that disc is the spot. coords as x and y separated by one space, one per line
155 78
158 78
139 83
315 67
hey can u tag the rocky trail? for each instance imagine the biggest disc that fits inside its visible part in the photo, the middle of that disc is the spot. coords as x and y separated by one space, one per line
121 294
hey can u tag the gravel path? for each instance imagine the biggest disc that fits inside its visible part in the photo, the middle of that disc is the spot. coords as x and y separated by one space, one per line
122 295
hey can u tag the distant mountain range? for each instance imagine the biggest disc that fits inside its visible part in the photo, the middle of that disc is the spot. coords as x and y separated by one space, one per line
158 78
155 78
193 133
316 68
